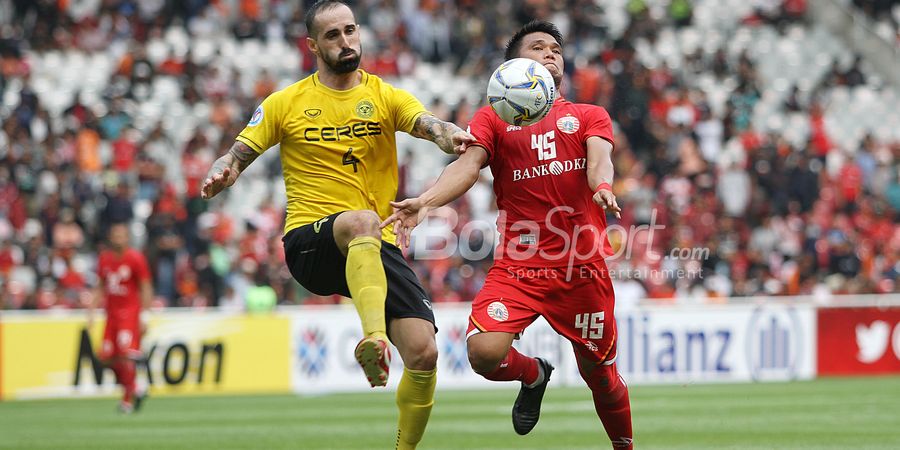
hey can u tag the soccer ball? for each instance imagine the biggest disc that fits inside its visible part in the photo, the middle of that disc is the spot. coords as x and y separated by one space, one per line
521 91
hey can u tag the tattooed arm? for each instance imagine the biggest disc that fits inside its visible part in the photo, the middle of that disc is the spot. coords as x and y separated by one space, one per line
225 170
449 137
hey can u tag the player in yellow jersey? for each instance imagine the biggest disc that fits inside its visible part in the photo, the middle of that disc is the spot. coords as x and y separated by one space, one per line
338 152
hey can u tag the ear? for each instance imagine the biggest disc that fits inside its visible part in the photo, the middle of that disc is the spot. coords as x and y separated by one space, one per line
312 45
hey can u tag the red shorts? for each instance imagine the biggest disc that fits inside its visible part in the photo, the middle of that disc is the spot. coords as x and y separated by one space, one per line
580 309
122 336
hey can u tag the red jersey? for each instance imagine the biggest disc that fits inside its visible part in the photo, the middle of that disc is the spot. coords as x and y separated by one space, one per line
547 217
121 276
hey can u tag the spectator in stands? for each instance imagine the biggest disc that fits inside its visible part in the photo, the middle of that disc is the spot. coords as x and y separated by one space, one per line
65 169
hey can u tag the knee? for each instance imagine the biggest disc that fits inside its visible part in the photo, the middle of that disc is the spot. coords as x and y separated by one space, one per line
422 357
485 359
364 223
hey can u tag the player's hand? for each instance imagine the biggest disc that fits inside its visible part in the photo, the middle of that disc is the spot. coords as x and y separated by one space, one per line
407 214
461 140
216 182
607 200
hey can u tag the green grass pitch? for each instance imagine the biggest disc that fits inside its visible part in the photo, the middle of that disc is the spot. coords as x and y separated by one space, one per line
836 413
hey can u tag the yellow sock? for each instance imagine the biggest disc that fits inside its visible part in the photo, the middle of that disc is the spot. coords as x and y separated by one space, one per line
415 397
367 283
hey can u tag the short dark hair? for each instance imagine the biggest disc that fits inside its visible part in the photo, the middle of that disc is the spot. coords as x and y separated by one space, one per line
535 26
314 11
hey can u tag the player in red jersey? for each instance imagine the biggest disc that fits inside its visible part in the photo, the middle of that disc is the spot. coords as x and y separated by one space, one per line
125 283
552 182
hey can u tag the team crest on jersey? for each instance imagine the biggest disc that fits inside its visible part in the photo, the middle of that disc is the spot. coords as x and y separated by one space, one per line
365 109
257 117
313 113
498 311
568 124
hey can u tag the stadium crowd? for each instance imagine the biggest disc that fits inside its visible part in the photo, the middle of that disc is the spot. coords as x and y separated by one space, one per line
748 211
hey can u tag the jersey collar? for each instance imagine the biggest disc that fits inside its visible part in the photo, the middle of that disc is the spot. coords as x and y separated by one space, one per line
344 93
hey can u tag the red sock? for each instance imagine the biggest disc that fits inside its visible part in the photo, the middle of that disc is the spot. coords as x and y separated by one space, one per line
615 415
515 367
612 404
126 374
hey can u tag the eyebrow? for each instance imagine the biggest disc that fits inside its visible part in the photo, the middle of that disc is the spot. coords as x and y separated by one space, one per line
339 28
541 41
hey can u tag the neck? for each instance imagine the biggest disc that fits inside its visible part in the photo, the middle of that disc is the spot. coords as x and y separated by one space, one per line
339 81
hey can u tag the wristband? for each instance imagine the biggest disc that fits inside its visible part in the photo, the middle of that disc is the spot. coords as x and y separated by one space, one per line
603 185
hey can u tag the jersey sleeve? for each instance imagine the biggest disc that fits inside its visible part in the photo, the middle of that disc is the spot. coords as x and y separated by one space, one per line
264 129
407 109
482 128
598 123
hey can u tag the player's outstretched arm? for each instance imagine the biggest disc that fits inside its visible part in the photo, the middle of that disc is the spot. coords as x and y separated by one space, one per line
457 178
449 137
600 174
225 170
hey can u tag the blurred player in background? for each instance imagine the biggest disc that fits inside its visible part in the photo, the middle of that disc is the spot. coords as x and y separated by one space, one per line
554 268
338 151
126 286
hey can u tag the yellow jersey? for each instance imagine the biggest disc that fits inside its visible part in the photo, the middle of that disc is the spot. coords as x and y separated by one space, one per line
338 148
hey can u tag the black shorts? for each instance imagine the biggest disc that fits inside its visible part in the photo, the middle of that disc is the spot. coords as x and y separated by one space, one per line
318 265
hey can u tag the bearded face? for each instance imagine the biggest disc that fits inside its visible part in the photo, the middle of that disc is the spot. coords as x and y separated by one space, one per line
345 62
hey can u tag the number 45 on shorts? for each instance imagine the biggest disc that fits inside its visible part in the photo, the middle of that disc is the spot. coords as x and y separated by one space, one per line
591 325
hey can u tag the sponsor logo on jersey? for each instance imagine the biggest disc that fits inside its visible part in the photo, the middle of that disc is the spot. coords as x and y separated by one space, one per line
513 128
556 168
592 346
343 132
426 303
527 239
553 168
498 311
313 113
568 124
257 117
365 109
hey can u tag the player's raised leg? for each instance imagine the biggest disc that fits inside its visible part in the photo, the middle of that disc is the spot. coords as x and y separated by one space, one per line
492 355
414 339
358 236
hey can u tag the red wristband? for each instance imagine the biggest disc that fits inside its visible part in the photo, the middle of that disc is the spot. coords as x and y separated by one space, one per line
603 185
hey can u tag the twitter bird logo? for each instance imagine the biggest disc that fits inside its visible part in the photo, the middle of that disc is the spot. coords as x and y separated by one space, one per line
872 341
